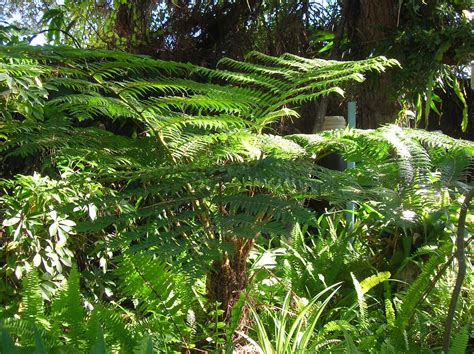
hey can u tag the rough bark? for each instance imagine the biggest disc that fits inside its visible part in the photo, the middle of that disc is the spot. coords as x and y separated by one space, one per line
376 104
228 277
132 24
371 22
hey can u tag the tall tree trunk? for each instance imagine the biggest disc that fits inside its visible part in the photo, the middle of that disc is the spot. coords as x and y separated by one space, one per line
370 23
323 103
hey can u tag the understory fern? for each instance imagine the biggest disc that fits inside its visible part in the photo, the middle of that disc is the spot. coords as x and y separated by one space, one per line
151 282
32 304
416 292
460 341
361 289
67 325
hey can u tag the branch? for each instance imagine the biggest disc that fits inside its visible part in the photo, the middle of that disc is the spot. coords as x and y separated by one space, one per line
460 255
75 41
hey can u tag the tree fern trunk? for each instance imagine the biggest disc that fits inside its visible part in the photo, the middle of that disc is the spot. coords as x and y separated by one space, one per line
228 277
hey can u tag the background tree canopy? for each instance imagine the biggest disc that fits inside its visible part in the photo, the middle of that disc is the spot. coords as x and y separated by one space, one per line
164 186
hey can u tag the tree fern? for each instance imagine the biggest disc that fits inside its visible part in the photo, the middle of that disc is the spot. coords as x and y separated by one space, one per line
194 171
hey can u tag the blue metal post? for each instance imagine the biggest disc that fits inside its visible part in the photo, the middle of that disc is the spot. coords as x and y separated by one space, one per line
351 123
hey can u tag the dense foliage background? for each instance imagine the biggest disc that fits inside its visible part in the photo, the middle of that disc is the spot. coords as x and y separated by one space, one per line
181 200
432 40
